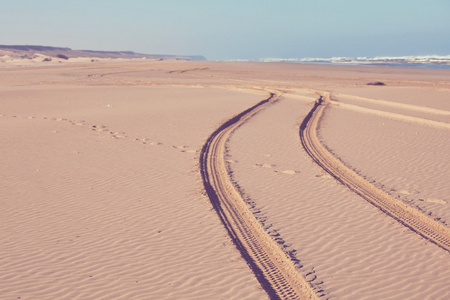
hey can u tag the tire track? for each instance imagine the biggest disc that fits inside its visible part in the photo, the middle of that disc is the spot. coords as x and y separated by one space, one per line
410 217
273 268
391 115
412 107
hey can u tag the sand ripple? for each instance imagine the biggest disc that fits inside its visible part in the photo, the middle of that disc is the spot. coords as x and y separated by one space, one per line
353 248
403 156
96 213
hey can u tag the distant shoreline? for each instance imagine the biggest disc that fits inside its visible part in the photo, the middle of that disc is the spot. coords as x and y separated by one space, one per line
422 62
418 66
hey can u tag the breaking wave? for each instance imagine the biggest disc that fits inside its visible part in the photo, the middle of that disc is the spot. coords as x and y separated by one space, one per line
426 61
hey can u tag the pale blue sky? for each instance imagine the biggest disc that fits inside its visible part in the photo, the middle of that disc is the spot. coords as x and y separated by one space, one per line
233 29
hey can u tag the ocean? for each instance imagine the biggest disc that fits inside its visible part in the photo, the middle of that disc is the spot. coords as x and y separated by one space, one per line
424 62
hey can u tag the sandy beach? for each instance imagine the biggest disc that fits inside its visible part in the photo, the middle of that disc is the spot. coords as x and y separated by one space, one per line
130 179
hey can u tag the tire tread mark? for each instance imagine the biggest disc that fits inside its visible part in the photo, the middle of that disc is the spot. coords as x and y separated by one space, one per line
412 218
271 265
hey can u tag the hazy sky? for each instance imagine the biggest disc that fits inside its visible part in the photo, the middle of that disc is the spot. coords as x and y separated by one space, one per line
233 29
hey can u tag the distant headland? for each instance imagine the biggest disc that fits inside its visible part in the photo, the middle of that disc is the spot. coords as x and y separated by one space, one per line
48 52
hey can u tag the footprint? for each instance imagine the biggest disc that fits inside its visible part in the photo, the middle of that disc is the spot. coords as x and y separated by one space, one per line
403 192
434 200
99 128
76 122
289 172
189 151
118 135
265 165
181 147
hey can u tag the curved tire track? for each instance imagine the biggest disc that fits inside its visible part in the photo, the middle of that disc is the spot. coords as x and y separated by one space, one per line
271 265
410 217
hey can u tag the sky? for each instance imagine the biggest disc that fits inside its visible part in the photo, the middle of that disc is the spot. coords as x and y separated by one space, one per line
233 29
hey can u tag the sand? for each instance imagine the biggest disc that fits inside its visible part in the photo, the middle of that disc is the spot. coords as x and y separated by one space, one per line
102 196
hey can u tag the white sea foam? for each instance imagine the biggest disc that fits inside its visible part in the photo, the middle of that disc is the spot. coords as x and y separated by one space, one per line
397 60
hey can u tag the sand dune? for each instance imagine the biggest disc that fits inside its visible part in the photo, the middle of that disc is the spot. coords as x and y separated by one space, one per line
103 197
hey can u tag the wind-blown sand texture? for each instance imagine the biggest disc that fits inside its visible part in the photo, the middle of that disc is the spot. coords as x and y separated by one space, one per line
411 217
108 187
